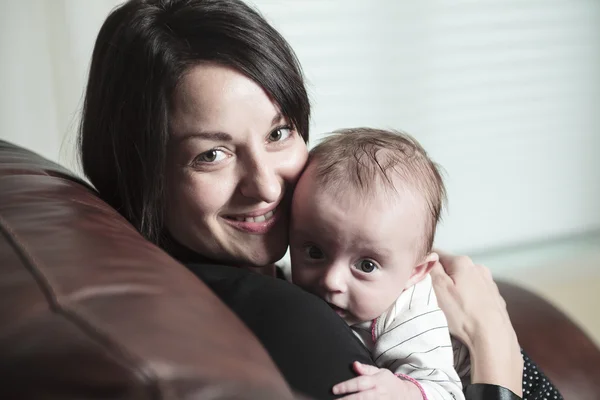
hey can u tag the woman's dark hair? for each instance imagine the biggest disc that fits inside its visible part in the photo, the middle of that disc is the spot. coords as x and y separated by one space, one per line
142 51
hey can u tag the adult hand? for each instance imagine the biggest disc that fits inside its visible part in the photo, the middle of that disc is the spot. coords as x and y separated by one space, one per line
477 316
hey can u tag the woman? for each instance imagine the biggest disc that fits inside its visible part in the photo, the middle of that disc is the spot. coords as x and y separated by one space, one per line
194 128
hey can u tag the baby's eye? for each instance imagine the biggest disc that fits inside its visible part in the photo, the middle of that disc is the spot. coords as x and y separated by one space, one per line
211 156
313 252
280 134
366 266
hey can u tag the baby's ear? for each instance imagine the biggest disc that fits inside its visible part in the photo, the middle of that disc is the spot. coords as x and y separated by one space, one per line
422 269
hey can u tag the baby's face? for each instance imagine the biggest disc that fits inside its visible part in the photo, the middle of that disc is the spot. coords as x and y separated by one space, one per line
357 255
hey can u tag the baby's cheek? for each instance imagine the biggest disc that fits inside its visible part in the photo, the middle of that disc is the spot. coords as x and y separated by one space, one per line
300 276
370 304
307 278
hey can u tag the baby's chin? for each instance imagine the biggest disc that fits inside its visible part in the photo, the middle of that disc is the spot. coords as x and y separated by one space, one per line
353 319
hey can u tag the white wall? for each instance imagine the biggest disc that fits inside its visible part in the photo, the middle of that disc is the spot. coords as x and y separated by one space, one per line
45 48
505 95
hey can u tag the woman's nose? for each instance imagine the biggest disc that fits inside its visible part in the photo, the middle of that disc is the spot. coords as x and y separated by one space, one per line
261 182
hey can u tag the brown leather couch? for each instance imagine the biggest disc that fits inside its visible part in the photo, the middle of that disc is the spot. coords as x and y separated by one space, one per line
89 309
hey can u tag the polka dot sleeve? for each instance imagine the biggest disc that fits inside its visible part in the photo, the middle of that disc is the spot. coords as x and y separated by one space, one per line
536 385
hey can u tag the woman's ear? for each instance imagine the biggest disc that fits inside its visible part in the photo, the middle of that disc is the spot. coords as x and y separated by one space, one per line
422 269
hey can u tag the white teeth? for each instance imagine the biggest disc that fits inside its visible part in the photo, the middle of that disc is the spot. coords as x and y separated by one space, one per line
261 218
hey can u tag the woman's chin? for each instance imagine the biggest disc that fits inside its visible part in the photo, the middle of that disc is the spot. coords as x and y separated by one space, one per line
265 256
266 249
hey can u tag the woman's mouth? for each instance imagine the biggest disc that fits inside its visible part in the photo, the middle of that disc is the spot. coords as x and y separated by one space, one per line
253 222
260 218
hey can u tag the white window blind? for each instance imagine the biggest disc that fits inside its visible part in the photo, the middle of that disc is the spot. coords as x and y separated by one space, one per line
505 95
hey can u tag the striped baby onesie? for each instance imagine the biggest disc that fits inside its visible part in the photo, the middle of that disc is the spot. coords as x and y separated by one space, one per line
412 340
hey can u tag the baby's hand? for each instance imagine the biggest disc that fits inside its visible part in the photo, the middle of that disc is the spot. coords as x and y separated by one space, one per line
376 383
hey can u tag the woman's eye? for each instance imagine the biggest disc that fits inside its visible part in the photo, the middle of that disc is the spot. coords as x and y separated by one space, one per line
313 252
366 266
280 134
211 156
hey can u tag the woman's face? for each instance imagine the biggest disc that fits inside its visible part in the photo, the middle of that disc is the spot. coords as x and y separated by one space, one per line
233 161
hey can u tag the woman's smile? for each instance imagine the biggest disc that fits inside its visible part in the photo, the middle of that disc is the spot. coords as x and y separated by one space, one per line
257 222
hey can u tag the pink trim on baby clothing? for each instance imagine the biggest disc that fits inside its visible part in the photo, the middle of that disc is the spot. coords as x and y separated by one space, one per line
373 326
408 378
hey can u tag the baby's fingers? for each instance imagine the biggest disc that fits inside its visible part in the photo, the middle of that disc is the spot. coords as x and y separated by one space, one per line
364 369
357 384
366 395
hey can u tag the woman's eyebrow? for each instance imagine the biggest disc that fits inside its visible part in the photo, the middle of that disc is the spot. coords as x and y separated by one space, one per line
214 136
277 118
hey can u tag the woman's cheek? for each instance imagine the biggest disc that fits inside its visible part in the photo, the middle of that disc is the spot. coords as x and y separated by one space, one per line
293 161
210 193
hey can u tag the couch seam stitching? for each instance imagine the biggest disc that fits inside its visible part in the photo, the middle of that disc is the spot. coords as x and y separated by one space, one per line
123 356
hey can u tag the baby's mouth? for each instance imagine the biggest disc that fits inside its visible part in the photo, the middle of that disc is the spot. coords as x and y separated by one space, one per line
339 311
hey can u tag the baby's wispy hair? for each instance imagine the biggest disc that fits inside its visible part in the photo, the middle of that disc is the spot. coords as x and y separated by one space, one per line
362 159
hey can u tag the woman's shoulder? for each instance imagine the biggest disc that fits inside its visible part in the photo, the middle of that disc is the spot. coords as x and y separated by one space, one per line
239 283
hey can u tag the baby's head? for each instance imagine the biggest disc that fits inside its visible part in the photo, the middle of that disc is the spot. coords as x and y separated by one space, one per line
364 216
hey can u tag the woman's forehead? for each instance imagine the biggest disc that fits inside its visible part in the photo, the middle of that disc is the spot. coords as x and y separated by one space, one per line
215 97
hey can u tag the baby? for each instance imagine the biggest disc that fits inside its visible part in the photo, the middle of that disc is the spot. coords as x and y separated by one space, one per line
364 216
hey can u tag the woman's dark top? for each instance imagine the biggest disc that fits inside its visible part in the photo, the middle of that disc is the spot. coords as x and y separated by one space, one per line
312 347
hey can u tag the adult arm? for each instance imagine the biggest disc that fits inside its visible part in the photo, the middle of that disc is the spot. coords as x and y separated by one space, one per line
477 316
536 386
311 345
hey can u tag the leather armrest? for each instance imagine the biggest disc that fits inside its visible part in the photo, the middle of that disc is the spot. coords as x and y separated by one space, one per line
562 350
